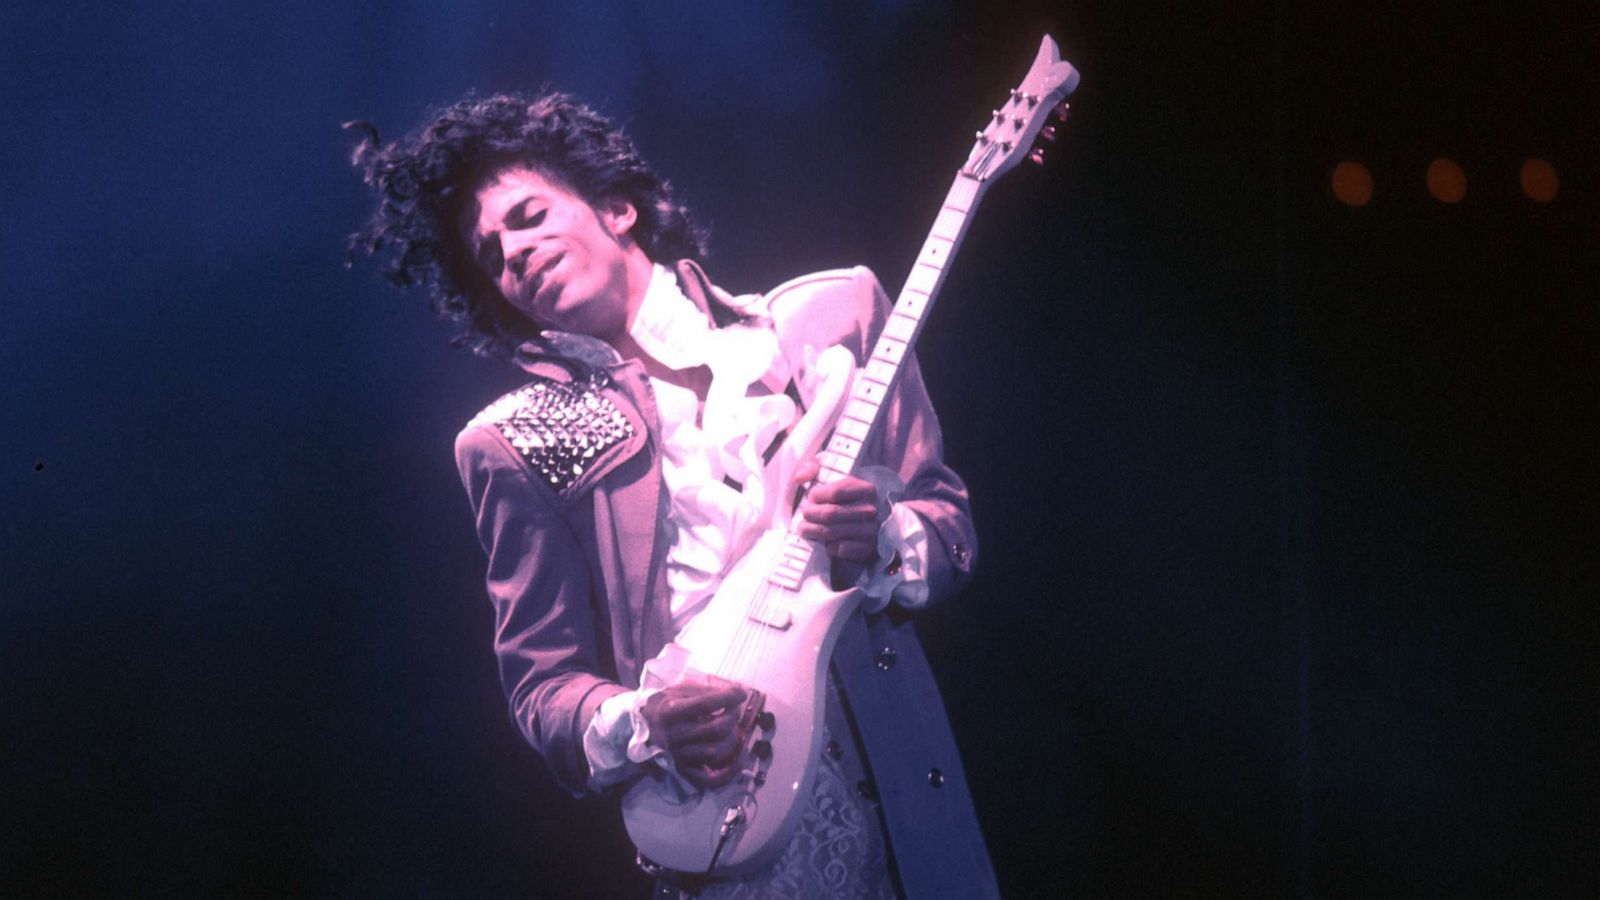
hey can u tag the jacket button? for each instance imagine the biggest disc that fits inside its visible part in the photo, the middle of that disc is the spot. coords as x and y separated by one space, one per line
958 552
866 791
832 749
935 778
885 659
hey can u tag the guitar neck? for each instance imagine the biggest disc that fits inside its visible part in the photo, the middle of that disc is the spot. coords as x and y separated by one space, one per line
860 416
1001 145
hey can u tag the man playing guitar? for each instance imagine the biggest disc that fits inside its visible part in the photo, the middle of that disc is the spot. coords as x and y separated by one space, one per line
617 490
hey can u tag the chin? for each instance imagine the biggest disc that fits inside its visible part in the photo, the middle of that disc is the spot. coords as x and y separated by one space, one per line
588 317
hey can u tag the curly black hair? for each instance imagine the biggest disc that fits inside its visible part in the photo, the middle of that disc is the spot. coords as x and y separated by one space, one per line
424 180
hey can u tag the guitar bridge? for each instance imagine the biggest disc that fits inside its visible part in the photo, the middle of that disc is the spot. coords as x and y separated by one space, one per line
753 717
752 713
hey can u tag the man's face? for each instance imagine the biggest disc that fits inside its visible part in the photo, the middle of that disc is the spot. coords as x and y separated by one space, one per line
560 261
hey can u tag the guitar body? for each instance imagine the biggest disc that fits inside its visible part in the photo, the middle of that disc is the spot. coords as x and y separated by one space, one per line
784 655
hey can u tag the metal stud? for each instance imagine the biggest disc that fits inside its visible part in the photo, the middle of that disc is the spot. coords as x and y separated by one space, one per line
885 659
559 429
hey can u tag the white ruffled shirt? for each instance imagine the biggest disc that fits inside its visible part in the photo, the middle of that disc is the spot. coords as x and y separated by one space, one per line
702 451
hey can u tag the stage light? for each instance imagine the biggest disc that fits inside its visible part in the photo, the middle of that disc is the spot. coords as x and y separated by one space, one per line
1539 180
1352 183
1446 182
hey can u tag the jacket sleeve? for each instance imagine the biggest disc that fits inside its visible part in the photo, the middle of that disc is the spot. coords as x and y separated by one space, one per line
909 441
539 581
849 307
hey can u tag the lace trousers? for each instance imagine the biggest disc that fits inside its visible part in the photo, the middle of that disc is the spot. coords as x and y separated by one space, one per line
838 851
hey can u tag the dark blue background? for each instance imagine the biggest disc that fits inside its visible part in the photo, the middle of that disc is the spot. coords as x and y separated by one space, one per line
1287 507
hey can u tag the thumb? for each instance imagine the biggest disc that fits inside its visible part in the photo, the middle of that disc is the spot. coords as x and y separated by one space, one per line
805 471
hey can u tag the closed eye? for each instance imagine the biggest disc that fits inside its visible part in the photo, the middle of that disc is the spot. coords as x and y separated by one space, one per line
519 218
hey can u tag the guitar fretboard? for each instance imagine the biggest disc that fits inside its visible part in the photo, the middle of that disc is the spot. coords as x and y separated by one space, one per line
873 383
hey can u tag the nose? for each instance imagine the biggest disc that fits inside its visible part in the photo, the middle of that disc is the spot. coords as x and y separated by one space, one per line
518 261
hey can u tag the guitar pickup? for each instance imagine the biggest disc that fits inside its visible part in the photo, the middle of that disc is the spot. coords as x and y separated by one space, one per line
773 617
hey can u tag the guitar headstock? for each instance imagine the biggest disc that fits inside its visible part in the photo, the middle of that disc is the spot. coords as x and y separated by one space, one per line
1022 119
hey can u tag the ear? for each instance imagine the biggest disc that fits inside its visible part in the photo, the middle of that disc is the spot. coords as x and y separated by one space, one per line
618 215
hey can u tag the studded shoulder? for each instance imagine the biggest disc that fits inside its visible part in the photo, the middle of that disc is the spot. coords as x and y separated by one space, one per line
558 428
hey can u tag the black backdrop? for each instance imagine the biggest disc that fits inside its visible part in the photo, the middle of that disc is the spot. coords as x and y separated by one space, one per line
1285 506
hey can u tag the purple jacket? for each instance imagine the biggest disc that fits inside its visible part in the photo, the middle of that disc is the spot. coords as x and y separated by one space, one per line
575 547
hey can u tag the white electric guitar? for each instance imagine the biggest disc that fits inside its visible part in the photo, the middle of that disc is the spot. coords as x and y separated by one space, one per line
772 625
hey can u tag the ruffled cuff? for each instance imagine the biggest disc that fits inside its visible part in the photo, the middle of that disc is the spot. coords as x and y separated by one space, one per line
900 575
617 741
608 740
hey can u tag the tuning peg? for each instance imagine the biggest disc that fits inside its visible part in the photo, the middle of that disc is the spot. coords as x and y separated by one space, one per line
1037 157
1048 133
1063 111
1024 97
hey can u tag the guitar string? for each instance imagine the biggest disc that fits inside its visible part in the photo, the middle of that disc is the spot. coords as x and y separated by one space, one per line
750 640
746 634
755 634
758 640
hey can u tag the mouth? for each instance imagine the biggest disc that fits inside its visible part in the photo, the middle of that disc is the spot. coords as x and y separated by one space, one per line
536 277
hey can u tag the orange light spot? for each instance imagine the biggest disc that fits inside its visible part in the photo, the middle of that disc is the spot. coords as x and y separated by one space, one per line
1352 184
1446 182
1539 180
